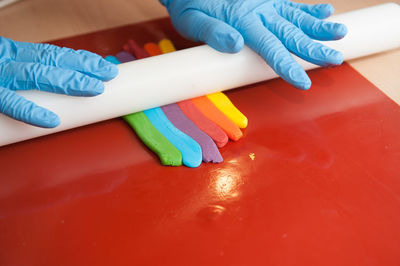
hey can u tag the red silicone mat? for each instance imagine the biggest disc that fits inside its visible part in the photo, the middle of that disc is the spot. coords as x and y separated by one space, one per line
323 188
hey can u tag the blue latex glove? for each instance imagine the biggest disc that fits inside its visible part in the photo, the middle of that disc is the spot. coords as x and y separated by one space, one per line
272 28
25 66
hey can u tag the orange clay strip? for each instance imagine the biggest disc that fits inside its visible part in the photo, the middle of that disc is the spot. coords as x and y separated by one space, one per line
214 114
152 49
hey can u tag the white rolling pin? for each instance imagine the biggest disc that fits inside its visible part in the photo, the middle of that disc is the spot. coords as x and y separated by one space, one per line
193 72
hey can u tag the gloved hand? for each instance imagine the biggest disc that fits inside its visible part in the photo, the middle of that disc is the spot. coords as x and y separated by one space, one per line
272 28
25 66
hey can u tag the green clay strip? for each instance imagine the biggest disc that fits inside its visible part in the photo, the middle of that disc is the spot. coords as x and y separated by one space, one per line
154 140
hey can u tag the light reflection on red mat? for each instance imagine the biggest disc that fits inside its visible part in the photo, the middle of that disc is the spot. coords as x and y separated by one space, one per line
323 189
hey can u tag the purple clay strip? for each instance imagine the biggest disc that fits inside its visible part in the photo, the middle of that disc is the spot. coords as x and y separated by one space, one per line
184 124
124 57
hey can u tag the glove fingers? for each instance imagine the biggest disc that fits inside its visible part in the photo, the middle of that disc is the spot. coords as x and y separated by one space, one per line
19 108
266 44
212 31
300 44
26 76
320 11
313 27
83 61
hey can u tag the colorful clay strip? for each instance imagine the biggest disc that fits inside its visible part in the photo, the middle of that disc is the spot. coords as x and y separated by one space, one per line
191 111
154 140
150 136
112 59
166 46
215 115
206 125
180 121
190 149
152 49
222 102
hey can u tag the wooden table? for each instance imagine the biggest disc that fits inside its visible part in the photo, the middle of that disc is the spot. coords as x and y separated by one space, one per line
42 20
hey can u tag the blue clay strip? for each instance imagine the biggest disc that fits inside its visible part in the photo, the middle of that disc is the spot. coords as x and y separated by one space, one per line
190 149
112 59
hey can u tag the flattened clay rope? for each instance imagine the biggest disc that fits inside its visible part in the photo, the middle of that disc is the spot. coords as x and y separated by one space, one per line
190 149
215 115
179 119
154 140
210 128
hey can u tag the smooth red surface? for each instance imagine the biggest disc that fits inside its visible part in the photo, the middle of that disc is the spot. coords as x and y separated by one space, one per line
323 188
